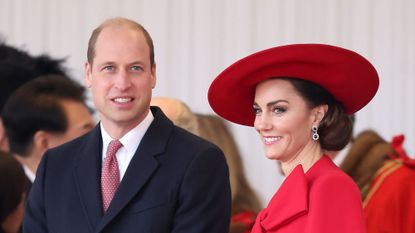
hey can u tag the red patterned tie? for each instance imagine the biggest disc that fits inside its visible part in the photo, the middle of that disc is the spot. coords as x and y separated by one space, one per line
110 174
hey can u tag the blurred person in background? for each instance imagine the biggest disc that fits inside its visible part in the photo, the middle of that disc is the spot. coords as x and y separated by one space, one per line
385 175
12 193
245 203
18 67
178 112
44 113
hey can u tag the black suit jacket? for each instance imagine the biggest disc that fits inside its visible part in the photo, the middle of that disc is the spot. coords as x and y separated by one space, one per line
176 182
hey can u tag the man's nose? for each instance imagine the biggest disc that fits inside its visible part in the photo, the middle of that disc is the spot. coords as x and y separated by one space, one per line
123 80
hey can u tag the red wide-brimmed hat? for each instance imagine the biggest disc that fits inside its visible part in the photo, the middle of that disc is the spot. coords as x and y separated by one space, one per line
348 76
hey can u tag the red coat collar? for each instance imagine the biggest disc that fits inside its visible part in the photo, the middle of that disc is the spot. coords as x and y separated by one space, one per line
294 191
291 200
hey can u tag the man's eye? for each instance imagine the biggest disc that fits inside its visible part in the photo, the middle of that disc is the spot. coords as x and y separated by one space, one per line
136 68
108 68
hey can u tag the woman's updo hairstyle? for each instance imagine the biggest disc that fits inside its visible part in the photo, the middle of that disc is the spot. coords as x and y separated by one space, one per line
335 129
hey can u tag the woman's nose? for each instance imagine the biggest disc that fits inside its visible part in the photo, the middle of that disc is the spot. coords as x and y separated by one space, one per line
262 122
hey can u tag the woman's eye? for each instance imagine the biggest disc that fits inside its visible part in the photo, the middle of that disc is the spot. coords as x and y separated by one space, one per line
256 110
278 110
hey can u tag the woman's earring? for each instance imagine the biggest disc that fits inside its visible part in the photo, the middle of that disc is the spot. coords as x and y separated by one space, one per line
315 134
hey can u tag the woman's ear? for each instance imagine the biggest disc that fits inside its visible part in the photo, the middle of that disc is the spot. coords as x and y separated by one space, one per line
319 113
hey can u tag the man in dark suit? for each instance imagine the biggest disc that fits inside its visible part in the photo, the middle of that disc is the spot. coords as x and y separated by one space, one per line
159 178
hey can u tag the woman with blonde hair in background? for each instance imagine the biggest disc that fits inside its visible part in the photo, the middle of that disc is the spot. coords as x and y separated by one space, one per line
245 203
178 112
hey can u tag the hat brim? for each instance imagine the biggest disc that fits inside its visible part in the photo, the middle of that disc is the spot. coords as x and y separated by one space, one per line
348 76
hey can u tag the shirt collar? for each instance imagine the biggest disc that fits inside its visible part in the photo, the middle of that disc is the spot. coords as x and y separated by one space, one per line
132 139
29 174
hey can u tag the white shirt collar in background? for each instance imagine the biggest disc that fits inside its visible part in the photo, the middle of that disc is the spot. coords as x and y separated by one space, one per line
29 174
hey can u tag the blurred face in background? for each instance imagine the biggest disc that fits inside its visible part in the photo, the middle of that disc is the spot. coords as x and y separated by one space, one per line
79 119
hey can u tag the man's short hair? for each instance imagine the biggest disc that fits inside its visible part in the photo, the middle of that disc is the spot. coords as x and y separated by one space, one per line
118 22
36 106
18 67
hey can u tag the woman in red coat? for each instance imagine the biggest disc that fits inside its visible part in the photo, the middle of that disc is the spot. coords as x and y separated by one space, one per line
297 97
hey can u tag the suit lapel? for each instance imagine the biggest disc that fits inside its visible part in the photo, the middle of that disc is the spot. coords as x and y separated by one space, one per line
142 166
289 203
87 177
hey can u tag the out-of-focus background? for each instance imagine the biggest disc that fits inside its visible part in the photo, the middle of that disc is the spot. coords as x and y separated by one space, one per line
197 39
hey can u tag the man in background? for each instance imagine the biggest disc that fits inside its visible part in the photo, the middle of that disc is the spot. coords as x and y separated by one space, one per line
18 67
44 113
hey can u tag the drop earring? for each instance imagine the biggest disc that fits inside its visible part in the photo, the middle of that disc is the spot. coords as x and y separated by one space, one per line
315 134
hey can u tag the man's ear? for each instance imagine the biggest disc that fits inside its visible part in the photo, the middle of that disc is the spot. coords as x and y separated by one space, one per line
4 140
88 74
153 76
41 140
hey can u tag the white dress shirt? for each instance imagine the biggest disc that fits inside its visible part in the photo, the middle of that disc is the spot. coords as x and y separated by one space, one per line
130 142
29 174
